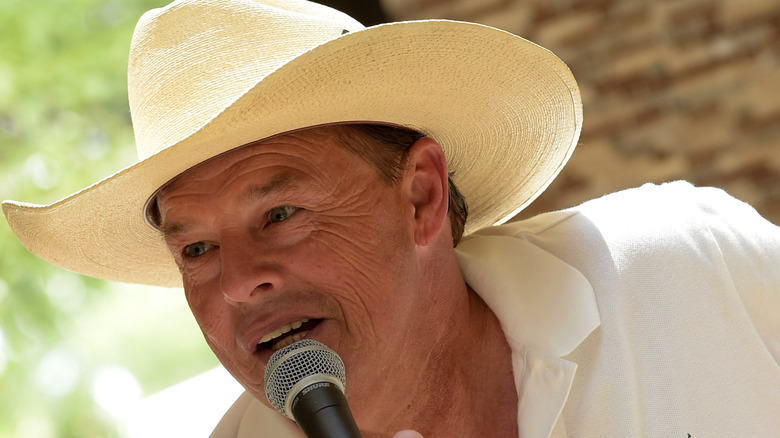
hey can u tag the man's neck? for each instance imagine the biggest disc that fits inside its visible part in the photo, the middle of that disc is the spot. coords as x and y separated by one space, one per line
465 386
454 377
473 389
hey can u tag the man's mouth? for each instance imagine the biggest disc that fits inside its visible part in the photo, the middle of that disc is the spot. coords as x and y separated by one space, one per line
287 334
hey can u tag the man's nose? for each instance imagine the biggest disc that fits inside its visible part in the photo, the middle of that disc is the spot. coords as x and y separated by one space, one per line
248 270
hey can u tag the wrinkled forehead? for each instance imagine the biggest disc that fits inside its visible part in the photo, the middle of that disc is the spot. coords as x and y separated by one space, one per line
382 145
323 136
227 162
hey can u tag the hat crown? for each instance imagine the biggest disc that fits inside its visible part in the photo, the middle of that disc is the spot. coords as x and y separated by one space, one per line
193 58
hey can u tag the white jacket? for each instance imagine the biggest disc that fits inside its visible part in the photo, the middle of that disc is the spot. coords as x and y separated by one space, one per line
653 312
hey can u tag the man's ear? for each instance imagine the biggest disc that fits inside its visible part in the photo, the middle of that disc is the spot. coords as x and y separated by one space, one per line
425 184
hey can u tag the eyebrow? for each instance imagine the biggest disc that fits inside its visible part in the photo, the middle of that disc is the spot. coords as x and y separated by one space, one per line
254 192
281 182
173 229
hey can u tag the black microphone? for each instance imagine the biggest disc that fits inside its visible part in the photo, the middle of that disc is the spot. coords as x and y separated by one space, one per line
305 382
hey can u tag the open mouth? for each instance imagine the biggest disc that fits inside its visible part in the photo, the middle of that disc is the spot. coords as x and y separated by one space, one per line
287 334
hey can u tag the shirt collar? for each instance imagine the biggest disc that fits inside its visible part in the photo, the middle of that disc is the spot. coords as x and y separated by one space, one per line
546 309
543 303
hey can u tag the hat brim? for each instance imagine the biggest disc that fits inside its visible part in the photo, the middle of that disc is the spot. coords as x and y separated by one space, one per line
506 111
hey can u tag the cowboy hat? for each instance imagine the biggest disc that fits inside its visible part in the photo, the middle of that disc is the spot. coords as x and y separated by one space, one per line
207 76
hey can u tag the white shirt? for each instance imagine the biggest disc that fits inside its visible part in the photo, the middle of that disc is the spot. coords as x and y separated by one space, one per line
650 312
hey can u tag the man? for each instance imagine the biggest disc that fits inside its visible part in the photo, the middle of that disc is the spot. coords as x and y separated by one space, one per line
293 178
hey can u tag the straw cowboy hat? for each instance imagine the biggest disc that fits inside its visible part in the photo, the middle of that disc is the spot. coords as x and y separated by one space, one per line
207 76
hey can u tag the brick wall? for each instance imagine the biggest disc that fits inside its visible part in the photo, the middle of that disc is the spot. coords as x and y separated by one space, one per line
672 89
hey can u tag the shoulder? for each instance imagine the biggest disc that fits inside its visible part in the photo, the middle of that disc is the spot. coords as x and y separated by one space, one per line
652 215
672 223
647 212
680 215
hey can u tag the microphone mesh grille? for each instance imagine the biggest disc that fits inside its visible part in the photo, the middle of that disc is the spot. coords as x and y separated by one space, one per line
295 362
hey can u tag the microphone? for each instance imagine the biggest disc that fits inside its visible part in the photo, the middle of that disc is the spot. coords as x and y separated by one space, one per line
305 382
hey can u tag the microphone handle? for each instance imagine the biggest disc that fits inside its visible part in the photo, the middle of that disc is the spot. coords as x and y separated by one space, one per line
321 411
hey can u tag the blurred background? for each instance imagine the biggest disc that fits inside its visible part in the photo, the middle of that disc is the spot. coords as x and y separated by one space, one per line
76 353
672 89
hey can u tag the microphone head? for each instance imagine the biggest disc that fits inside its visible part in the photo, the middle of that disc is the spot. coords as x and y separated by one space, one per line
298 365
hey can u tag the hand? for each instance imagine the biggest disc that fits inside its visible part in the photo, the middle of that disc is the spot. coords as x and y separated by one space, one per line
407 434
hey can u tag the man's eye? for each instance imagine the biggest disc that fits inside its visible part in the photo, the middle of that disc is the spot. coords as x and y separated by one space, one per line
196 249
278 214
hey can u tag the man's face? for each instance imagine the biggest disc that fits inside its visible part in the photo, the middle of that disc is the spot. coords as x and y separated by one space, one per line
294 237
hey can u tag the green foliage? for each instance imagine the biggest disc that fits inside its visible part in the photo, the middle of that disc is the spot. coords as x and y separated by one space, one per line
64 124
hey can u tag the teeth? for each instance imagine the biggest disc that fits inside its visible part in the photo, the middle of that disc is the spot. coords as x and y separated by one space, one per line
289 340
282 330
